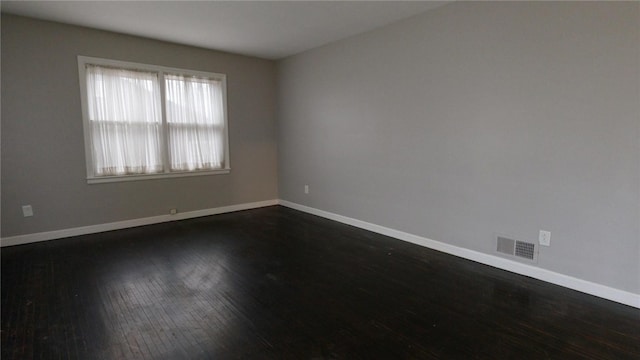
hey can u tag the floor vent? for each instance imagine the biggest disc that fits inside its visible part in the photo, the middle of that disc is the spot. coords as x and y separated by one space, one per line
520 249
525 250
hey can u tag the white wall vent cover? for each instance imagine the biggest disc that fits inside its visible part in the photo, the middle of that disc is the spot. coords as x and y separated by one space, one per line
519 249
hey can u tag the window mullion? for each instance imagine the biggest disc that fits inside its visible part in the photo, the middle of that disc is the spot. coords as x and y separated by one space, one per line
165 126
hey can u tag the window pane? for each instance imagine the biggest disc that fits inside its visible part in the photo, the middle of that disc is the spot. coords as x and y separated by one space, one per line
195 120
126 123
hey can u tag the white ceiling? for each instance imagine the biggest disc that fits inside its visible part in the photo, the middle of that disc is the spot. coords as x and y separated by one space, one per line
266 29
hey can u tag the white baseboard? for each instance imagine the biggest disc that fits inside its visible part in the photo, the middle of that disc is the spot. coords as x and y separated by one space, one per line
91 229
609 293
591 288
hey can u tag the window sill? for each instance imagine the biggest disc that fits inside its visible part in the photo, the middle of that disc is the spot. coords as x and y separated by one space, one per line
120 178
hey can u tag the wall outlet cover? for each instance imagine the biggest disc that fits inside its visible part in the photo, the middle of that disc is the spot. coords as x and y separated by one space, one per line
544 238
27 210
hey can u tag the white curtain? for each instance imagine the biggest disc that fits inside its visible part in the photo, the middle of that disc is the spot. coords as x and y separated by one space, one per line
195 120
126 121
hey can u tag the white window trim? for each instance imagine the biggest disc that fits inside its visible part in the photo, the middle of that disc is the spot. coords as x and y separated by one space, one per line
161 70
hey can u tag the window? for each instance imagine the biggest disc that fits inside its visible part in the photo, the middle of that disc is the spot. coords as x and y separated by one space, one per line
145 121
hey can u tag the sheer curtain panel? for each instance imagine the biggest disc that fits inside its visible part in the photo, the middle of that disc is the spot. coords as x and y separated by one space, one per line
195 121
125 120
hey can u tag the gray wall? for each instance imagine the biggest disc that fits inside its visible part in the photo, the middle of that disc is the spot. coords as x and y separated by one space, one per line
475 119
43 162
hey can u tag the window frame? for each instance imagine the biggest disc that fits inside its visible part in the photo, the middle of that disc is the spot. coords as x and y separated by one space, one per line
161 71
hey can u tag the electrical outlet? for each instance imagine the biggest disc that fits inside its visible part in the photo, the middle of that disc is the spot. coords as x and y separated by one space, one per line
27 210
544 238
173 211
306 189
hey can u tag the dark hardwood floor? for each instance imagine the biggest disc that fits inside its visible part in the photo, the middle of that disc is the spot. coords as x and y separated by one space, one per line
274 283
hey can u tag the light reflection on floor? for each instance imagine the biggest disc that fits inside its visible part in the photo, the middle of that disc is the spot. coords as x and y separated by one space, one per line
182 300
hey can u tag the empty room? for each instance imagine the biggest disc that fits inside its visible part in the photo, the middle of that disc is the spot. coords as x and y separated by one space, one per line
320 180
